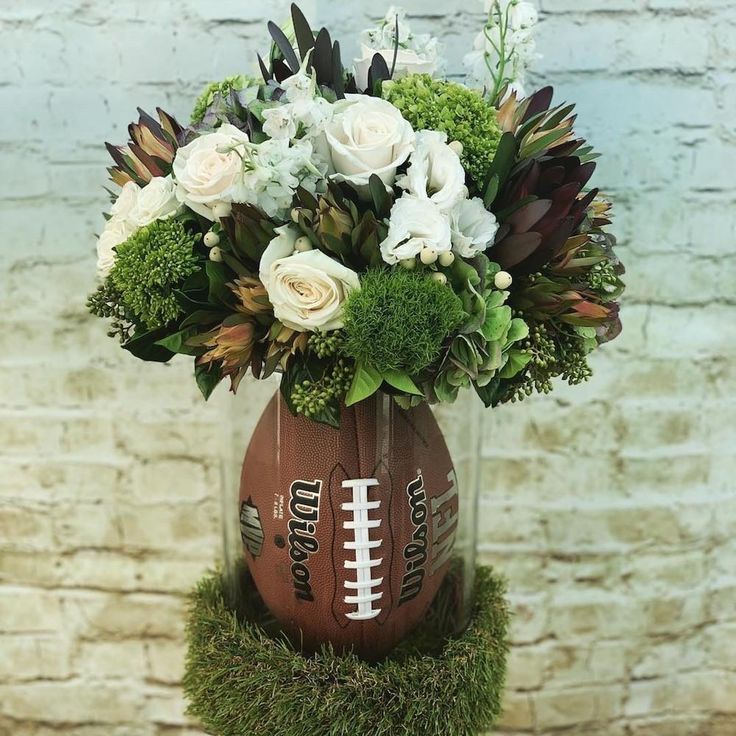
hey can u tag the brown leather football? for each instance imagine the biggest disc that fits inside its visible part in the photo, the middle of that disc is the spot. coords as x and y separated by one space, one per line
348 533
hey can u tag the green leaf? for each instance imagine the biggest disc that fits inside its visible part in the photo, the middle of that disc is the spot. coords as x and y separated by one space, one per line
515 363
379 195
446 393
303 32
207 378
491 191
497 323
144 346
517 331
177 342
402 382
488 393
366 382
218 290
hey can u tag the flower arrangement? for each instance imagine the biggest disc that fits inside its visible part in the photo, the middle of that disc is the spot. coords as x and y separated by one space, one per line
365 229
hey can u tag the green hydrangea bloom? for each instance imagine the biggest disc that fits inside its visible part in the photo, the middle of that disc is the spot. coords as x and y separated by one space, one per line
149 266
207 97
398 320
462 113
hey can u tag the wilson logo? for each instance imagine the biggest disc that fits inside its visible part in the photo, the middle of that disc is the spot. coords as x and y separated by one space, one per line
415 553
304 511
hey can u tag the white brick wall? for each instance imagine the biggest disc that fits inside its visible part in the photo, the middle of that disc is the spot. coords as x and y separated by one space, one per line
611 507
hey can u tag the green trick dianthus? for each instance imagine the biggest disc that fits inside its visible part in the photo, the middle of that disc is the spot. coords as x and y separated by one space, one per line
398 320
462 113
149 266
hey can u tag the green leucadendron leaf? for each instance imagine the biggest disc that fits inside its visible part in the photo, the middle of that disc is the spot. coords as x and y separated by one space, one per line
366 382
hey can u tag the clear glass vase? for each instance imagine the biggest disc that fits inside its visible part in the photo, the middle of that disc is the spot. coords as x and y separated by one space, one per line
362 537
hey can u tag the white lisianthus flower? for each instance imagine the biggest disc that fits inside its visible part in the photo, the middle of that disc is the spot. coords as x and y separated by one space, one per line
415 224
307 289
367 136
435 171
117 231
207 169
126 200
156 201
279 122
473 227
417 53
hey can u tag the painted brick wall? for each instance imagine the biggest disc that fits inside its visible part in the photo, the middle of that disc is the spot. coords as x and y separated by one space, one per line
611 507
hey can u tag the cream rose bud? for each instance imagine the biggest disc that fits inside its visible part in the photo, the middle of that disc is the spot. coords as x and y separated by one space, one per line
307 289
126 200
435 171
415 224
156 201
117 231
207 169
473 227
408 62
366 136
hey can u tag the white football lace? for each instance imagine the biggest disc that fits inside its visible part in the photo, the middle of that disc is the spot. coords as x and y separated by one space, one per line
364 597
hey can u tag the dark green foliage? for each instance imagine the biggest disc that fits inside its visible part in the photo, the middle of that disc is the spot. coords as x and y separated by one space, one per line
462 113
149 266
398 320
242 677
106 302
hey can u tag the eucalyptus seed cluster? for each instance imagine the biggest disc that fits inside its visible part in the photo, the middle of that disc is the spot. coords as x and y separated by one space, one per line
106 302
325 344
553 355
602 276
310 398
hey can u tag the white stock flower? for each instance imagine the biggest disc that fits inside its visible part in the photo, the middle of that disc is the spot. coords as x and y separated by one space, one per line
473 227
307 289
519 44
415 224
274 171
117 231
367 136
207 169
435 171
156 201
299 86
417 53
126 200
279 122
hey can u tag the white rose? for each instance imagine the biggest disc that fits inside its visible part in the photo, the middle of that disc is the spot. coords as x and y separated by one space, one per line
367 136
206 169
126 200
408 61
156 201
473 227
307 289
435 171
415 224
117 231
279 123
